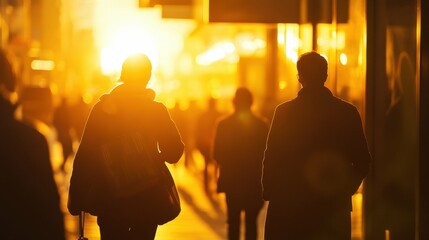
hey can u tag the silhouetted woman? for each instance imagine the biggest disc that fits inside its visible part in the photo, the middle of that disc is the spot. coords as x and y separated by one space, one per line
129 108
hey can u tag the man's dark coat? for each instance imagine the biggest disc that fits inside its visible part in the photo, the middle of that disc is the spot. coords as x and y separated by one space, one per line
315 160
239 149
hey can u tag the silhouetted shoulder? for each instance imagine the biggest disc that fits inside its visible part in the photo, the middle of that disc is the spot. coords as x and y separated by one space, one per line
331 100
27 133
225 119
286 106
347 106
118 102
17 137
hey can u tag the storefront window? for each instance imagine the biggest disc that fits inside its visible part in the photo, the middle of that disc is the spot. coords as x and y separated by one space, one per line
400 144
393 189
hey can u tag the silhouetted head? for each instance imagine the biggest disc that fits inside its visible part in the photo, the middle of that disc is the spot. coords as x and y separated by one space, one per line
136 69
211 103
243 99
312 69
151 94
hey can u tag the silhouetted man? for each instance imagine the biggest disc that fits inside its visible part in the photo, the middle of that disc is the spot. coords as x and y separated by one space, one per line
316 159
239 149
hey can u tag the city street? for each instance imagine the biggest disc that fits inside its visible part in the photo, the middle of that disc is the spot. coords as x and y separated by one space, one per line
344 83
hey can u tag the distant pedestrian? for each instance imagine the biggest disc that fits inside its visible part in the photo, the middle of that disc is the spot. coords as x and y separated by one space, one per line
190 119
125 121
62 123
29 198
204 140
79 112
239 149
316 159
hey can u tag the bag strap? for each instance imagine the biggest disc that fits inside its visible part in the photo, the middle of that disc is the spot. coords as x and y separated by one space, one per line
82 226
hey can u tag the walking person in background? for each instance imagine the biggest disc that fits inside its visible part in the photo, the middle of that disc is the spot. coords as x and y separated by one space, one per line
190 118
29 198
316 159
204 141
62 124
128 110
79 113
239 149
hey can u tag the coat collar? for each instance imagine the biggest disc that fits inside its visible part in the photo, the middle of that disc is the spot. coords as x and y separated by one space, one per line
314 92
129 92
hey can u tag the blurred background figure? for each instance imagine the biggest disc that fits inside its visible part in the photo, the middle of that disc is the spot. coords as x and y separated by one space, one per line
204 140
62 123
79 112
29 200
190 118
401 148
239 149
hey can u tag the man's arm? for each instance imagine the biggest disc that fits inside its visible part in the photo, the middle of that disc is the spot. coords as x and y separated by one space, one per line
360 153
270 171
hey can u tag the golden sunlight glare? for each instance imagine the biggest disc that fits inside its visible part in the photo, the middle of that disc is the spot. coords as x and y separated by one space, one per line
343 59
43 65
126 30
292 43
216 53
124 44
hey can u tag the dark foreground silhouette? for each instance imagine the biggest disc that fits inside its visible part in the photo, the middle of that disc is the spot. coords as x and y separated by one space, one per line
316 159
29 199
